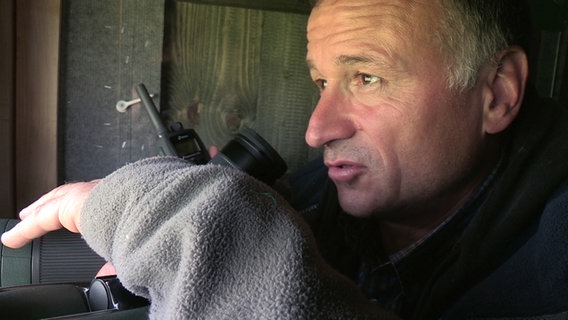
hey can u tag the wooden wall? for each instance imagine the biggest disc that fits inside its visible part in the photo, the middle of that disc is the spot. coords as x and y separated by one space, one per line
230 67
108 47
64 65
30 53
7 87
72 60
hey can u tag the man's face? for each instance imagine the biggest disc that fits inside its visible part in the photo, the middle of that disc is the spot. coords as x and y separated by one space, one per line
397 140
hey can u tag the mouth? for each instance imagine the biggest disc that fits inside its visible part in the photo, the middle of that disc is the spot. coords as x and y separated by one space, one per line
344 171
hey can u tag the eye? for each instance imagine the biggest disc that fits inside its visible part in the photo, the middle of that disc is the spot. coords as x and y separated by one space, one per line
321 83
367 79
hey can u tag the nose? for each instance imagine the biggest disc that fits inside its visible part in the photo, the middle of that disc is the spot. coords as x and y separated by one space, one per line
330 120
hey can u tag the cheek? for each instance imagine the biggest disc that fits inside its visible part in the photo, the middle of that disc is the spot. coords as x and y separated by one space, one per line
442 115
441 138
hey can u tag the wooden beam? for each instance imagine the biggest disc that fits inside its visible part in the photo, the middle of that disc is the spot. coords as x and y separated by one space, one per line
7 76
37 65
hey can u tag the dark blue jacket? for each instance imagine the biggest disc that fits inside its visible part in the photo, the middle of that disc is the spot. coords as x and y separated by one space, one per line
533 281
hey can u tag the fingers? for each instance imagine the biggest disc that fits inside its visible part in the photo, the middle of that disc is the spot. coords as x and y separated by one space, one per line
27 230
213 150
58 208
106 270
38 203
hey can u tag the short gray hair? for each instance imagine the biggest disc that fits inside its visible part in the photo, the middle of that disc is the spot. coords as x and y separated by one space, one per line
473 32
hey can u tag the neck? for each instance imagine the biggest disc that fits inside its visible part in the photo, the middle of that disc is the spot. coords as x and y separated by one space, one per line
397 236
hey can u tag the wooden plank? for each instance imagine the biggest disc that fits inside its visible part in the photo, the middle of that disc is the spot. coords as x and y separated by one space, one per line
296 6
7 178
236 67
212 83
286 93
37 47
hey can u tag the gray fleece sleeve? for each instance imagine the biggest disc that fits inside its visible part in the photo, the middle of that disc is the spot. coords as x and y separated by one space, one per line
209 242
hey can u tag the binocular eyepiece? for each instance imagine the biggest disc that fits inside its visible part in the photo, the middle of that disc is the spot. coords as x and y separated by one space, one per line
250 153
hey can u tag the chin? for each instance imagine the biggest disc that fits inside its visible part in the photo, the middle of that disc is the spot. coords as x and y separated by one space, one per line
356 207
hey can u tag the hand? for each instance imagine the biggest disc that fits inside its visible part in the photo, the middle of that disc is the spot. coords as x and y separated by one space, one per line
60 208
213 150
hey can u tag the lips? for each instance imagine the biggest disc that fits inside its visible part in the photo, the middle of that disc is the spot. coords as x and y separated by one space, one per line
344 171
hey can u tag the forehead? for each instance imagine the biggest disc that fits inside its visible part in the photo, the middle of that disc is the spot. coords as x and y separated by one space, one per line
391 26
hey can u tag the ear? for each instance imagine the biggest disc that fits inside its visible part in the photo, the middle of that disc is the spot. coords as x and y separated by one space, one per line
506 82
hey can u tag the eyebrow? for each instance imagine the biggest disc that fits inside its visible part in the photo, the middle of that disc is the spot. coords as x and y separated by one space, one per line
382 59
345 60
352 60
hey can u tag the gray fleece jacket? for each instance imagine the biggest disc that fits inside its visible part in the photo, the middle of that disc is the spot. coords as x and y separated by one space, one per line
209 242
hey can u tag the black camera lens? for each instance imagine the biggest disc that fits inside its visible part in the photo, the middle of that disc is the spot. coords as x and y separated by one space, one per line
250 153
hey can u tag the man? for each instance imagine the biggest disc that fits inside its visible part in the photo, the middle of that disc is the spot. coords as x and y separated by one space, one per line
417 103
449 195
